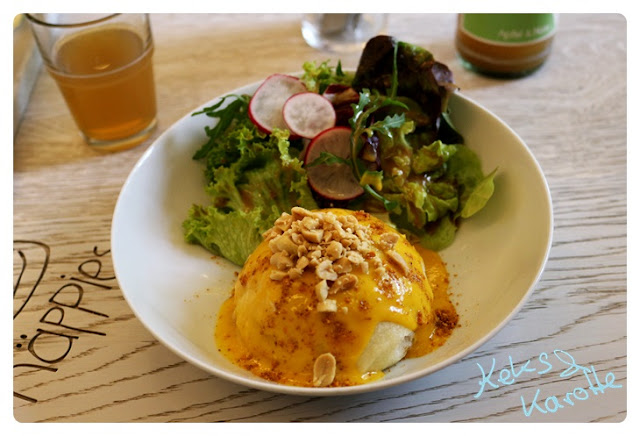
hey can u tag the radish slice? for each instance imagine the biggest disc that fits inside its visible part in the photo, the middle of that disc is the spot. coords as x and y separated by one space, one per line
335 181
307 114
265 107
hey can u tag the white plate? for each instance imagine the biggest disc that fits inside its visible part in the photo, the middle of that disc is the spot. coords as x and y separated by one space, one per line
175 289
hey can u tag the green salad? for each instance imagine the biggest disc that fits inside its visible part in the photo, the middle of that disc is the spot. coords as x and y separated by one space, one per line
403 152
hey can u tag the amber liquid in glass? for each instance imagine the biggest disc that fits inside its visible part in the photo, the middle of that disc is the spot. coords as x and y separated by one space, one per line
106 77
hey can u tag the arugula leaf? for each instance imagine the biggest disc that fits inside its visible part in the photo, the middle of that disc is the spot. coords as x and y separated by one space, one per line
368 104
327 158
234 111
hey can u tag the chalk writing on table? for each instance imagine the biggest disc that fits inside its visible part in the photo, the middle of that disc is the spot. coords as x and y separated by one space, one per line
60 314
591 383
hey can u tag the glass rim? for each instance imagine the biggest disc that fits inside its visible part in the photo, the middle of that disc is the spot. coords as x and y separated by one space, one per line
31 17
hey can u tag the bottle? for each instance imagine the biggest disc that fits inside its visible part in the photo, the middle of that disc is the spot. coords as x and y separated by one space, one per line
504 45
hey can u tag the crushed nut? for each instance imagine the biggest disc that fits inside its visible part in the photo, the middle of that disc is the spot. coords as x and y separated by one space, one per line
333 246
298 213
294 273
302 251
324 370
327 305
377 262
322 290
389 240
302 263
325 271
355 257
397 259
349 222
343 283
342 266
380 271
334 250
297 239
314 235
277 275
281 261
310 223
283 243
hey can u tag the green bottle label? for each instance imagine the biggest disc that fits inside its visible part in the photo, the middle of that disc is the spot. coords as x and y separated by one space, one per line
509 29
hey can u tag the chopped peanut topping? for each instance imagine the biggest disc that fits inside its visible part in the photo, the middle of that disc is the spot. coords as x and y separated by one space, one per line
396 258
389 240
281 261
322 290
324 370
327 305
335 250
342 265
313 235
333 246
343 283
325 271
277 275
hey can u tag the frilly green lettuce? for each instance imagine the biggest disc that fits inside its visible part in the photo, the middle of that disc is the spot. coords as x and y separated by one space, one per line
424 175
317 76
252 179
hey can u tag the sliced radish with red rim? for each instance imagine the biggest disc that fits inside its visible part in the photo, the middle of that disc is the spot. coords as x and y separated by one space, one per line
332 181
265 106
306 114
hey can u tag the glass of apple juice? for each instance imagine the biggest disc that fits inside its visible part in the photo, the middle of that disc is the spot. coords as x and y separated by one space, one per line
102 64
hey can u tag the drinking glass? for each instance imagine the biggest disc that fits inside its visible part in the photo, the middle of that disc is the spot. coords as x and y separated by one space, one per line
102 64
341 33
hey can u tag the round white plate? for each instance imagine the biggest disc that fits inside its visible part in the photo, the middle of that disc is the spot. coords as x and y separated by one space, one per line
175 289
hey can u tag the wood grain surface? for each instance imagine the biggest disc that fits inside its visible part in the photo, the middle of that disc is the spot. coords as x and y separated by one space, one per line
80 355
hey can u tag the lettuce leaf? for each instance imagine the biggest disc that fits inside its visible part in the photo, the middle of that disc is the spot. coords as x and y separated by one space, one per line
317 77
430 179
435 236
431 157
423 174
431 186
233 235
252 179
465 169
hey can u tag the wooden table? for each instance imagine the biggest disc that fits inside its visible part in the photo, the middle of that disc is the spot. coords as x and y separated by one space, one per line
80 355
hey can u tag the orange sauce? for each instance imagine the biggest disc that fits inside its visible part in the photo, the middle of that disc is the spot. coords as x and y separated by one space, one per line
435 333
428 336
106 78
279 348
